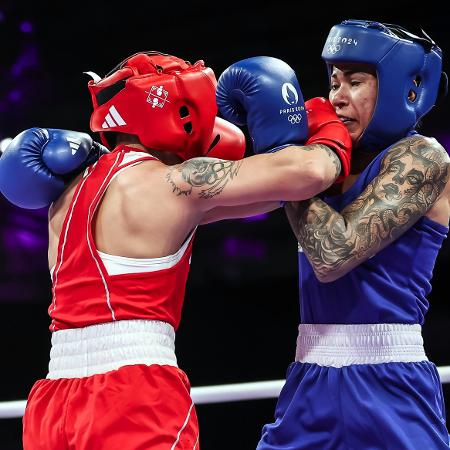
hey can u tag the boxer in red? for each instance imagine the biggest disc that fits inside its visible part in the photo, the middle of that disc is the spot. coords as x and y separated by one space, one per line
121 228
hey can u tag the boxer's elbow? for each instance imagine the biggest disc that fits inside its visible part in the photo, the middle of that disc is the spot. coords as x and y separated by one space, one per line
309 178
327 272
299 174
328 275
322 177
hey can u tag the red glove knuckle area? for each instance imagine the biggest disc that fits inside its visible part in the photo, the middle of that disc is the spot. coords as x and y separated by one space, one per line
324 127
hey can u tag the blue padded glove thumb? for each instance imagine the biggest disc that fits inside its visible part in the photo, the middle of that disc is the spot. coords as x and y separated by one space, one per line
68 151
38 163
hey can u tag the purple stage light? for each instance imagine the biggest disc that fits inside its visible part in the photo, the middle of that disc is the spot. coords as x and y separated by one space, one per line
23 254
256 218
22 238
15 96
26 27
28 59
444 139
238 247
26 230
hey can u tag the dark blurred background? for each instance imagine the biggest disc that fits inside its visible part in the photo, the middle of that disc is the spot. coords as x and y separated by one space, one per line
241 310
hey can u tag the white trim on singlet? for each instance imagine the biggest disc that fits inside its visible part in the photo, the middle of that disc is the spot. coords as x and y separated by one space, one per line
86 175
115 264
133 156
127 158
88 229
338 345
118 265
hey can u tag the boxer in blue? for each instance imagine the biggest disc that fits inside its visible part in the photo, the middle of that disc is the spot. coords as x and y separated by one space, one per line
361 378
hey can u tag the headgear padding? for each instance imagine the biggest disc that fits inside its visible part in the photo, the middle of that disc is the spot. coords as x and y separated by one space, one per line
404 64
168 103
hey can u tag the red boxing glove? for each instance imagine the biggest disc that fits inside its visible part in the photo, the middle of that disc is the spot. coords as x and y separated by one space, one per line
227 141
324 127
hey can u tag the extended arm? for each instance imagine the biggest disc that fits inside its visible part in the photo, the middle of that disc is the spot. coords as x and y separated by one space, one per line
256 92
238 212
293 173
412 176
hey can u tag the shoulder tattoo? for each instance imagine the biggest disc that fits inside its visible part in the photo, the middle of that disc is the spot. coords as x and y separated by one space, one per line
412 176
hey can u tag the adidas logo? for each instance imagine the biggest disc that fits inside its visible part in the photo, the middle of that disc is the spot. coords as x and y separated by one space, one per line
74 144
113 119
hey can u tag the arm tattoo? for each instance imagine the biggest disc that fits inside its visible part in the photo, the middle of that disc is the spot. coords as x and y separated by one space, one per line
334 159
412 176
210 175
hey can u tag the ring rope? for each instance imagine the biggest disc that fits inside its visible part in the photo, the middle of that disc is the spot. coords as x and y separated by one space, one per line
210 394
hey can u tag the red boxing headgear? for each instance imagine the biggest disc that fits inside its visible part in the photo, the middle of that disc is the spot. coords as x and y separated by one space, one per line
168 103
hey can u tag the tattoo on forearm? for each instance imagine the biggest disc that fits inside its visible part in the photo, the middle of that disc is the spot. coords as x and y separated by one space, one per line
211 175
412 176
335 160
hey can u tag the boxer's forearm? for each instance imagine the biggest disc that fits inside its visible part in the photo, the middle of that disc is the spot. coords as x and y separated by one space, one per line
236 212
293 173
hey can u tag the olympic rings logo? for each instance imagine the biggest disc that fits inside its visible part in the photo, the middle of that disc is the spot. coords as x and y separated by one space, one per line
295 118
334 48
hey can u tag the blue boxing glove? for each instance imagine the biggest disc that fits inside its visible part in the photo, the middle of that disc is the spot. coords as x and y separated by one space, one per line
264 94
38 164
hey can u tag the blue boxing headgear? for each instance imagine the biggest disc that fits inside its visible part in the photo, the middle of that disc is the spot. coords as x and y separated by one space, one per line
404 63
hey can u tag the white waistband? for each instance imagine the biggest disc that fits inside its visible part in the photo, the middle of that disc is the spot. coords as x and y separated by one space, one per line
344 345
96 349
